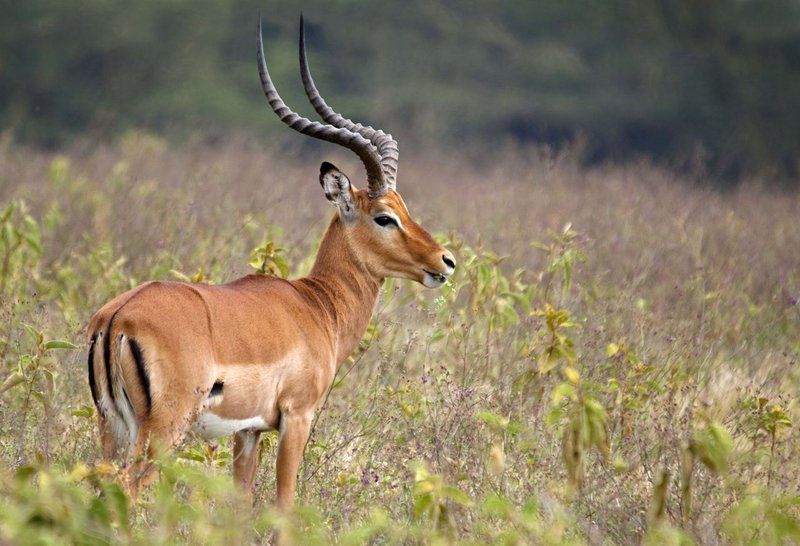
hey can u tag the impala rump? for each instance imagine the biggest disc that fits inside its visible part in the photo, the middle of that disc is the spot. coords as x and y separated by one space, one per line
111 393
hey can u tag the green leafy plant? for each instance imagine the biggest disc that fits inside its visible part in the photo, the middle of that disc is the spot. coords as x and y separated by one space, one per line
431 495
20 245
267 259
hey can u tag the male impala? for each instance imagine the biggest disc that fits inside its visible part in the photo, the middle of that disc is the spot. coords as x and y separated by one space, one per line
258 353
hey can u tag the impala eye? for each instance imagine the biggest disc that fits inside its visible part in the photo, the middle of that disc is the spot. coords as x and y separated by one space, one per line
384 220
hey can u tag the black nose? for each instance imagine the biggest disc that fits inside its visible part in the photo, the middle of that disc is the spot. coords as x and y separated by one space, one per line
449 262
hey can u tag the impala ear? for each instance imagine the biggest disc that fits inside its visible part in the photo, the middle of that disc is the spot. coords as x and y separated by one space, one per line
338 189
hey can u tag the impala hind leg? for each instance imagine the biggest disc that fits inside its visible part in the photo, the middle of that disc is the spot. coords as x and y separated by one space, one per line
107 442
158 437
246 457
294 431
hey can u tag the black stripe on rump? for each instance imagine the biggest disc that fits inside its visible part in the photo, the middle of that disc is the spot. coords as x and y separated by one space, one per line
141 369
92 385
107 347
107 356
216 390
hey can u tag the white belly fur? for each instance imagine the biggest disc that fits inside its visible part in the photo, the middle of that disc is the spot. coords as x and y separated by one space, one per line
209 425
267 377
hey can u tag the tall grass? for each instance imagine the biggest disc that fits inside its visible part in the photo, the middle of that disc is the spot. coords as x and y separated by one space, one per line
615 361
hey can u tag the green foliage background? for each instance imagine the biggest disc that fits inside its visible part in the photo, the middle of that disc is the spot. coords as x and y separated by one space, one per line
711 84
614 361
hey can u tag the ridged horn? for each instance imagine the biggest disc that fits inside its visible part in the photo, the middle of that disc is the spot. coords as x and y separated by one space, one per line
386 145
363 148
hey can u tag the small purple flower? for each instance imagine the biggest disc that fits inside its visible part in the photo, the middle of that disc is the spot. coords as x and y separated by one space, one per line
793 301
214 446
425 377
365 477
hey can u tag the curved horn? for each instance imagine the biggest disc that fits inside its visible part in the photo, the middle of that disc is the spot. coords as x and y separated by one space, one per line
386 145
354 141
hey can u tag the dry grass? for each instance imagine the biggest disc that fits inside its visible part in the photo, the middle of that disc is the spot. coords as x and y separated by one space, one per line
684 315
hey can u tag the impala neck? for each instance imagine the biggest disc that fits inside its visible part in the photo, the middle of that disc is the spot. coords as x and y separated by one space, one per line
344 289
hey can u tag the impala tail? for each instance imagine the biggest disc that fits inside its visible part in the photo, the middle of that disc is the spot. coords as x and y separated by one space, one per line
120 386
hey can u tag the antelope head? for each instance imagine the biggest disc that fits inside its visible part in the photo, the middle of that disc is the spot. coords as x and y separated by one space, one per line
379 228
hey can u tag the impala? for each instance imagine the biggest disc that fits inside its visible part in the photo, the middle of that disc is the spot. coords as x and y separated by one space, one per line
258 353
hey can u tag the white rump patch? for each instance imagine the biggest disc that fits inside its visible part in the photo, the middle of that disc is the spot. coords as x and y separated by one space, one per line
210 425
116 422
124 406
118 413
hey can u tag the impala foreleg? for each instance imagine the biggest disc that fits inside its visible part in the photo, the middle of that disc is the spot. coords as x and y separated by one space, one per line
246 457
294 431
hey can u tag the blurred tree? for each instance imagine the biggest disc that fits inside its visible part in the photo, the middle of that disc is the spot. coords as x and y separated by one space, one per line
714 82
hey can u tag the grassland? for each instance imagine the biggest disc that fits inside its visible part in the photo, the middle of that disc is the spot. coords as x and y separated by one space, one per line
616 360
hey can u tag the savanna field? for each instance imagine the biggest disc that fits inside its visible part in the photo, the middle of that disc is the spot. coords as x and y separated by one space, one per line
615 361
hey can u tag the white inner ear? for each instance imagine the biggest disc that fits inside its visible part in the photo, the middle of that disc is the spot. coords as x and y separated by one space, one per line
337 189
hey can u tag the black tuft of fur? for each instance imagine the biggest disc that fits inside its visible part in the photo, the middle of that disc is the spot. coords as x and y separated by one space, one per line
216 390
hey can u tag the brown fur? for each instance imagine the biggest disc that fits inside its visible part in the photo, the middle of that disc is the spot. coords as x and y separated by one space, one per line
274 344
